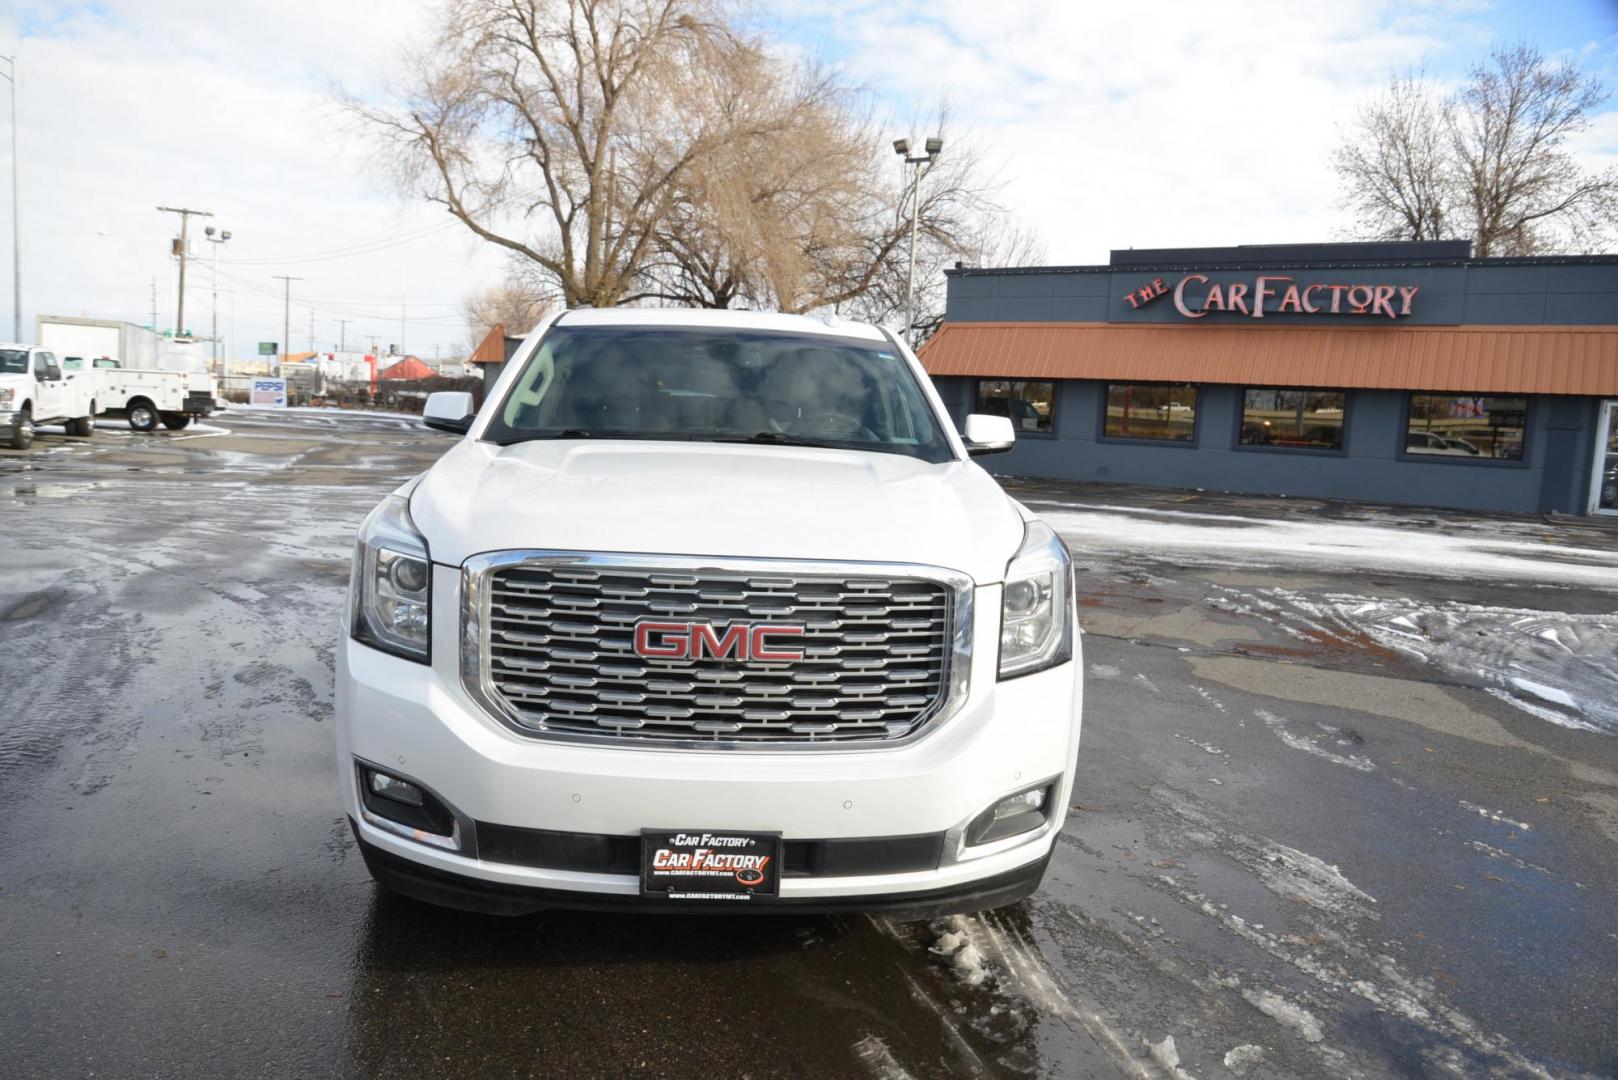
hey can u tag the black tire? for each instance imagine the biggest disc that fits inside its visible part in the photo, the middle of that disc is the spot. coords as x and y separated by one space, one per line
142 415
175 421
22 430
83 427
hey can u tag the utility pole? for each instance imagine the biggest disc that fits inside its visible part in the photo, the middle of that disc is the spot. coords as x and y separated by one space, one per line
373 338
182 248
342 334
311 329
286 315
154 303
16 217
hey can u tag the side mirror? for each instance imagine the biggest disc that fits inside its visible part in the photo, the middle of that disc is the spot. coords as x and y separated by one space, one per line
449 410
989 434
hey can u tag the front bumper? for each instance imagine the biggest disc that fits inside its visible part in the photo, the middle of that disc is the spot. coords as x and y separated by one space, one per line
421 722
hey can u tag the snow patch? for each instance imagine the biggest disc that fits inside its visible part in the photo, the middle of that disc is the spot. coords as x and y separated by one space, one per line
875 1056
1545 693
1285 1012
965 958
1104 671
1277 724
1168 1058
1495 816
1292 873
1238 1059
1259 542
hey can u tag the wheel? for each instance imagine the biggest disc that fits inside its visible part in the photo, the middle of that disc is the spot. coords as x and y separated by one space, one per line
22 431
83 427
142 417
176 421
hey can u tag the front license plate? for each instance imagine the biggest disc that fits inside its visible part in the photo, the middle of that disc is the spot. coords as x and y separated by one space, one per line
697 865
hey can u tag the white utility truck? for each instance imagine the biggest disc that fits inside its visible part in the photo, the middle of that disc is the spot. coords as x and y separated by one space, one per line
36 389
147 398
709 611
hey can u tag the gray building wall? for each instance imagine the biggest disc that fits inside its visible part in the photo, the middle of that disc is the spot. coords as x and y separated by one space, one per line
1554 476
1559 443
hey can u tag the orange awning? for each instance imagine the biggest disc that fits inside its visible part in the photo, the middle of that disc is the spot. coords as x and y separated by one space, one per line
1463 359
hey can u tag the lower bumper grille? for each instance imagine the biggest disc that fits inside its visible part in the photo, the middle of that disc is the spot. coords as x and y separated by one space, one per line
578 646
592 853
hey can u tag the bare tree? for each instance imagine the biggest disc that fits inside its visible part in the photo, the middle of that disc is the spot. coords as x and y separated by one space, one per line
794 214
560 129
627 150
516 304
1396 163
1490 163
1520 187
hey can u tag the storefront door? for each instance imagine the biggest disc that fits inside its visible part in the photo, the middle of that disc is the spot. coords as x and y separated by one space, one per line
1604 488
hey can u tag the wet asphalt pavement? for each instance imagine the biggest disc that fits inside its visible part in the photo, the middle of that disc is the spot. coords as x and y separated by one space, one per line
1317 830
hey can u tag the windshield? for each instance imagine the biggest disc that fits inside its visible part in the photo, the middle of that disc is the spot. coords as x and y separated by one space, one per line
13 361
719 386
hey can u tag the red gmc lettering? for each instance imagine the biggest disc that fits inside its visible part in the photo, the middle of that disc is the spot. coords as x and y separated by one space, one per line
760 645
672 643
704 639
693 641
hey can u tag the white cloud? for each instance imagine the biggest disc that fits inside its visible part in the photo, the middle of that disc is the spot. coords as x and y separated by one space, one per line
1155 125
226 108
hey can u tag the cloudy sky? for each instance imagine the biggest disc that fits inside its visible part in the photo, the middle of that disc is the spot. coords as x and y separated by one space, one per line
1112 125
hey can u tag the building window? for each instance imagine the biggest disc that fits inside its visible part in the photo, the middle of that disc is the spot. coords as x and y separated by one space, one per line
1151 411
1467 427
1293 419
1030 405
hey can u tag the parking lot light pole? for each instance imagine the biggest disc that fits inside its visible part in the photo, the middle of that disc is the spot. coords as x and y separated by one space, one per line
933 147
10 75
216 241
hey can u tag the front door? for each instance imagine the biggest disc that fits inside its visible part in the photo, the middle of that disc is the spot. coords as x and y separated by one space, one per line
1604 483
49 389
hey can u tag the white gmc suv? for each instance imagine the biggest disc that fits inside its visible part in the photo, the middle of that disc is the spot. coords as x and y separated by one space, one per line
708 611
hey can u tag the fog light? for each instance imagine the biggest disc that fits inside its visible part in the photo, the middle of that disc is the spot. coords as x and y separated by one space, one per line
391 787
1014 814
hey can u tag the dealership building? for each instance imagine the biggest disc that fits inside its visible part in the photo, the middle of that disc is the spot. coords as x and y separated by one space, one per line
1389 372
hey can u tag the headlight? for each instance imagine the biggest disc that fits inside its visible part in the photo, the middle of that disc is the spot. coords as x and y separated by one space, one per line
6 394
388 597
1036 608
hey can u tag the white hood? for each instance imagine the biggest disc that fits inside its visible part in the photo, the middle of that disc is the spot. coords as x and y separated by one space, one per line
680 498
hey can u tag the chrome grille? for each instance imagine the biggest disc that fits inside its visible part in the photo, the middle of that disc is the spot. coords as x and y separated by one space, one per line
551 645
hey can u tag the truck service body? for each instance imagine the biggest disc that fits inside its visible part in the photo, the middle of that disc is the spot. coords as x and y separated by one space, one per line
709 611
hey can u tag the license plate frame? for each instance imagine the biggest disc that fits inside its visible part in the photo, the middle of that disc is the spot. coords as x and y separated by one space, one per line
710 865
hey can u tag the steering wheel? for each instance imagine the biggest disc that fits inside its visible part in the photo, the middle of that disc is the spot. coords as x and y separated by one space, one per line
834 424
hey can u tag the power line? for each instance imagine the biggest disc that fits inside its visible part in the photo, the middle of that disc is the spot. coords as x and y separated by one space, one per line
366 248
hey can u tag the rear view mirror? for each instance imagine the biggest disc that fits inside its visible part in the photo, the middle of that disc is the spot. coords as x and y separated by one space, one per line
449 410
989 434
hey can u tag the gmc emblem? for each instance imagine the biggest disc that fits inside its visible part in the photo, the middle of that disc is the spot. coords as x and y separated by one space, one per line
694 640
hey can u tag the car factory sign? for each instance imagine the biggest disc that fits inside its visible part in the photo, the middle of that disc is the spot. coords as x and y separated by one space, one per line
1276 294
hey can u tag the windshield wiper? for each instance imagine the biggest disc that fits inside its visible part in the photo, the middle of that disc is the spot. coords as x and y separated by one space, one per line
509 437
781 438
